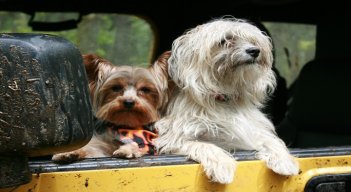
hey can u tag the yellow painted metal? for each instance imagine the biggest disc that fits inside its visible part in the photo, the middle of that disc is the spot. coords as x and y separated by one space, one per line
251 176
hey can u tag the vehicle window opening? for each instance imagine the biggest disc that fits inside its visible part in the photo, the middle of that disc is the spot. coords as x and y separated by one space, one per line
120 38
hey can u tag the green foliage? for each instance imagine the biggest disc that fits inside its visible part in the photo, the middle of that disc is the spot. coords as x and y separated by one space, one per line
294 46
14 22
142 39
121 39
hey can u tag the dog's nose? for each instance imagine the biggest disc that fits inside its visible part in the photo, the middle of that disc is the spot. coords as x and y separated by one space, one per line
128 103
253 51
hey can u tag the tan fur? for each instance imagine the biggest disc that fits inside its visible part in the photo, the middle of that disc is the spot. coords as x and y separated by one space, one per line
110 87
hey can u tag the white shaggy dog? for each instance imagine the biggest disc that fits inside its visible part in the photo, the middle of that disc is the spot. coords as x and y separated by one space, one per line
223 73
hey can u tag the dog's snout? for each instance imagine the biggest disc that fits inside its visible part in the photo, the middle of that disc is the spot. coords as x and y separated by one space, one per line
129 103
253 51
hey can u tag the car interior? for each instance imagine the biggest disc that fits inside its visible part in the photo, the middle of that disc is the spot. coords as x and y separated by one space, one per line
310 107
318 114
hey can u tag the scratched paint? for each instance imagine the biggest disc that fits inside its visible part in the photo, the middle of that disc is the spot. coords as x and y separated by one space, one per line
250 176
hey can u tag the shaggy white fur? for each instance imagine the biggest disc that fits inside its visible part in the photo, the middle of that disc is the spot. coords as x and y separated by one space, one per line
222 69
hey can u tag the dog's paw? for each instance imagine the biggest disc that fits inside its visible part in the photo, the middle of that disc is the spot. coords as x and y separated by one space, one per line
129 150
221 169
285 165
66 157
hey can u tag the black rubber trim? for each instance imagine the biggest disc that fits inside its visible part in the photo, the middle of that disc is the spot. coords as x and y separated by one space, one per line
42 166
336 182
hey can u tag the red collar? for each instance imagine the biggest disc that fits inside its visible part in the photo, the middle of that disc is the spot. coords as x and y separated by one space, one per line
221 97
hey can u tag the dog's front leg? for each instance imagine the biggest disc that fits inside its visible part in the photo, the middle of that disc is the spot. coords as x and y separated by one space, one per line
218 164
95 148
69 157
276 155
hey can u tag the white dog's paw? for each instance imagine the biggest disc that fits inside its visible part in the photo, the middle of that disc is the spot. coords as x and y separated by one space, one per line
221 169
284 165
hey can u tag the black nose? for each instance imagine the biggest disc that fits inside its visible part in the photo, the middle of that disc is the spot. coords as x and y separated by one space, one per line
129 103
253 51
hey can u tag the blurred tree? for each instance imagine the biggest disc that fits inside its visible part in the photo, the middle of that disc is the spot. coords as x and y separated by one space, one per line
294 46
122 39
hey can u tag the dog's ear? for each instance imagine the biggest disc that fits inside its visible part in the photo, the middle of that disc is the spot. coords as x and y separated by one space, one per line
160 70
93 64
94 67
160 66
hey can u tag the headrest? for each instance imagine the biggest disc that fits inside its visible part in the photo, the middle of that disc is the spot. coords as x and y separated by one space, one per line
322 97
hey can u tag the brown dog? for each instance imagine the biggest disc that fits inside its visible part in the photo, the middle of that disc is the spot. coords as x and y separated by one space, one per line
127 101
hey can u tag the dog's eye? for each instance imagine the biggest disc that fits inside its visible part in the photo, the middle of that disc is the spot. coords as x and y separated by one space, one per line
145 90
117 88
228 40
222 42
